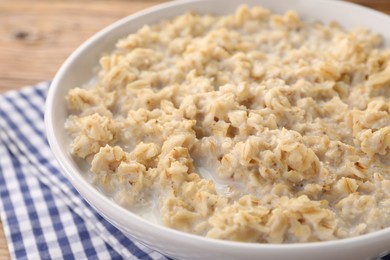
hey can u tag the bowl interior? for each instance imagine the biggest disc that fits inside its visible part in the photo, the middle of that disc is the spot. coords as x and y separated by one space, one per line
79 68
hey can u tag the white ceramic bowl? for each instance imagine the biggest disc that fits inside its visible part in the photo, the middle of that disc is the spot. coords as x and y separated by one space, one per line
78 70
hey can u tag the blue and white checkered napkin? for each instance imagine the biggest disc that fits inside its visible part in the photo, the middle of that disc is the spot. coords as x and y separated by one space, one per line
43 216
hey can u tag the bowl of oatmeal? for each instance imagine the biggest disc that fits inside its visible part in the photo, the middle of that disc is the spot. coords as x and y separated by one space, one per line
225 130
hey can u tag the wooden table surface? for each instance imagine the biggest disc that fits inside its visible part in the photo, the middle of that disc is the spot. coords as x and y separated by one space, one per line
37 35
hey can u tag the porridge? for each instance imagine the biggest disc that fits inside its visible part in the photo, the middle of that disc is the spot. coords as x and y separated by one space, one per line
253 127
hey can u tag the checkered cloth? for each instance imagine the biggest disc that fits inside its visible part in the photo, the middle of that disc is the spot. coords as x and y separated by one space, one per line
43 216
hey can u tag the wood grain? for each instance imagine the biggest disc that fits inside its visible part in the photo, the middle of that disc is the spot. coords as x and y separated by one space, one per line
380 5
4 254
37 35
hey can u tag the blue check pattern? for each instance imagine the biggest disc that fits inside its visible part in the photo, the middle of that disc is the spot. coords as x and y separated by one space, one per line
43 216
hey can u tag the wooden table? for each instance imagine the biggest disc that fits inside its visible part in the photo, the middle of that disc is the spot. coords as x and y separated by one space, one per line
37 35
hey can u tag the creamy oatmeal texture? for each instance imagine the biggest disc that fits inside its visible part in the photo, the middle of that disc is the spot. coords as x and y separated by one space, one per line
251 127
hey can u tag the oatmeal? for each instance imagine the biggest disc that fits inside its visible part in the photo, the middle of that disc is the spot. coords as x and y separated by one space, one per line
252 127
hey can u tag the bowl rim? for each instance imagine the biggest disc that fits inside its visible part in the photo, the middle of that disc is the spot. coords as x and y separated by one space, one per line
80 183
